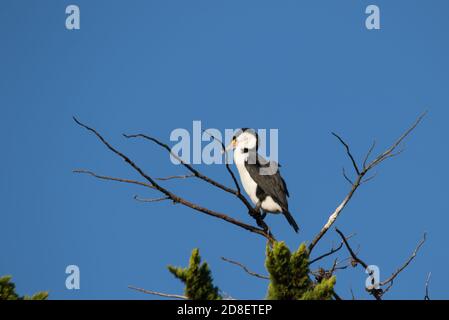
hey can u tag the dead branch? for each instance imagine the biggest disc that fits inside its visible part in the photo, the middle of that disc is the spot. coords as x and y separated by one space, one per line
228 167
348 152
356 260
137 198
255 274
251 210
166 295
186 176
426 297
332 251
175 198
361 173
189 167
378 293
113 178
409 260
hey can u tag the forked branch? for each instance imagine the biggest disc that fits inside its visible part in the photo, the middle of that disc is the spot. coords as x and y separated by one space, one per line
377 290
360 174
166 192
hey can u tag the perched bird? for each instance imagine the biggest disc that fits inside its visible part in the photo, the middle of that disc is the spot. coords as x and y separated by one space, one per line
260 178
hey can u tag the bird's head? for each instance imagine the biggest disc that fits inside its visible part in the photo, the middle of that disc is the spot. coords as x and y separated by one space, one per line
244 140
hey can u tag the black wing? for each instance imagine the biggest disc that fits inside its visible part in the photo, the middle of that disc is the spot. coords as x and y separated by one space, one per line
271 184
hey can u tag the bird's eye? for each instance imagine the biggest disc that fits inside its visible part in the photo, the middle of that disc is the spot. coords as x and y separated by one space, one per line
233 138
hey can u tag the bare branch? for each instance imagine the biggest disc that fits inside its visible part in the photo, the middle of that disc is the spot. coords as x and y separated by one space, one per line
351 252
378 293
426 297
176 177
332 251
113 178
166 295
368 154
348 152
369 178
409 260
228 168
346 177
352 294
174 197
137 198
245 269
335 214
186 165
390 152
253 213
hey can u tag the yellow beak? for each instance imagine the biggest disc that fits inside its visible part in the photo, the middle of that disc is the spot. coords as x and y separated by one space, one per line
231 146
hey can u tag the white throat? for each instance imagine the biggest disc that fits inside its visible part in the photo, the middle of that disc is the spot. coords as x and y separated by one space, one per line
248 183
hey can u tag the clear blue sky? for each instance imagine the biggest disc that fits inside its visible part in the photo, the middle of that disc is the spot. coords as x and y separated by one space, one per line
304 67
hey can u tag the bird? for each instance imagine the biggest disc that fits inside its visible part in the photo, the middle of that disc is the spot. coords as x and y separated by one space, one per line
260 178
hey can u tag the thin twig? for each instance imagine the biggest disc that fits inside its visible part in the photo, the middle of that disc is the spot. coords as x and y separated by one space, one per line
427 297
161 294
368 154
346 176
176 177
330 252
410 259
82 171
228 168
348 152
352 294
255 274
137 198
351 252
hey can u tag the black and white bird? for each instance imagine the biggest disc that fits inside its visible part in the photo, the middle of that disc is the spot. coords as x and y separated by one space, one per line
260 178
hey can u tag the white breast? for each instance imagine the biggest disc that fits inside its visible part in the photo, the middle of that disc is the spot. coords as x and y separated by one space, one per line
248 183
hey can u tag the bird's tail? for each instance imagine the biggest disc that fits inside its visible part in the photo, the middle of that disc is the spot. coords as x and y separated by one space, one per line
291 220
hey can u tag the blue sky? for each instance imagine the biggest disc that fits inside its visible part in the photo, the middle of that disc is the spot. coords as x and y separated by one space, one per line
304 67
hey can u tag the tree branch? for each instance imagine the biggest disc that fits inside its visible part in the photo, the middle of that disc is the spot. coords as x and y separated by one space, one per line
378 293
332 251
409 260
253 213
360 174
166 295
348 152
171 195
176 177
82 171
228 168
246 269
137 198
426 297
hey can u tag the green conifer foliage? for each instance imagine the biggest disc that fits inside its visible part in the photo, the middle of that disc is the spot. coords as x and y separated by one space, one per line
8 291
289 275
197 279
